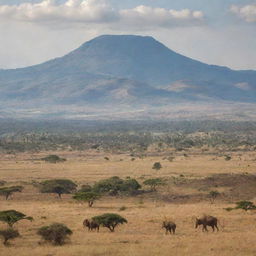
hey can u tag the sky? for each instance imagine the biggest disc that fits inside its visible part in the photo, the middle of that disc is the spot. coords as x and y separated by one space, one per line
220 32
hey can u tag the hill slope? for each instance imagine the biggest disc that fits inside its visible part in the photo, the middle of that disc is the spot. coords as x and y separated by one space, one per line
130 70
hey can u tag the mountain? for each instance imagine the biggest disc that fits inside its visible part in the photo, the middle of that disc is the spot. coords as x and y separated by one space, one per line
124 71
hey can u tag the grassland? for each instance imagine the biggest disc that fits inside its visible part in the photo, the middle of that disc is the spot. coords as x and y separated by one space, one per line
143 234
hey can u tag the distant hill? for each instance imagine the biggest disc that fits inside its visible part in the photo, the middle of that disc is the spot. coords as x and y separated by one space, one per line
125 71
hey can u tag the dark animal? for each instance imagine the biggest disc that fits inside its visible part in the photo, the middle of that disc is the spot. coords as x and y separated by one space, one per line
207 221
91 225
169 227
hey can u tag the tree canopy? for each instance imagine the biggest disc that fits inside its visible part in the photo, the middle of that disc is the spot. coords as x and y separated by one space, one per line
115 185
58 186
89 197
12 216
109 220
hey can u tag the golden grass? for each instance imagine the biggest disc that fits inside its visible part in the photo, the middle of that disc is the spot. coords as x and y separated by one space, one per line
143 234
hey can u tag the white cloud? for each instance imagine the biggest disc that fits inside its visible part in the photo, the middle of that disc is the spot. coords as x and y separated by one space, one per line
96 11
247 12
99 12
149 16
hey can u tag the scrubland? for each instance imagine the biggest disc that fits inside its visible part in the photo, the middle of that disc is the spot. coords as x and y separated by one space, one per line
182 199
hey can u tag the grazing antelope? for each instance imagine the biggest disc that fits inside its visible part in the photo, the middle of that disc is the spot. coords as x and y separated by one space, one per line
207 221
91 225
169 227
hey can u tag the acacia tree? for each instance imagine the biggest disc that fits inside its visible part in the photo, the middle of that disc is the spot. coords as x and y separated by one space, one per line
55 233
58 186
8 191
89 197
11 217
8 234
109 220
153 183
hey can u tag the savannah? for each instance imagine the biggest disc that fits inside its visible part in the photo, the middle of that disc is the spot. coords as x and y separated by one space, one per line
195 181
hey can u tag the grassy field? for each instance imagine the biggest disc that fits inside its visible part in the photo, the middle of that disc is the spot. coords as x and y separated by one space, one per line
143 234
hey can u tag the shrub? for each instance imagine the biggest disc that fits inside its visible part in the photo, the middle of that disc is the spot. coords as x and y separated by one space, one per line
89 197
213 195
56 233
109 220
157 166
245 205
122 208
8 191
227 157
8 234
53 159
11 216
58 186
153 183
2 182
114 186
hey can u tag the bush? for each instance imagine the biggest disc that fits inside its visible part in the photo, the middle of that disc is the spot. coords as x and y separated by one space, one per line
227 157
89 197
58 186
8 234
213 195
11 217
114 186
8 191
157 166
109 220
56 233
53 159
244 205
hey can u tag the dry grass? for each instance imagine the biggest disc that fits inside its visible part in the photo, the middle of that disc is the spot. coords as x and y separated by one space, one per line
143 234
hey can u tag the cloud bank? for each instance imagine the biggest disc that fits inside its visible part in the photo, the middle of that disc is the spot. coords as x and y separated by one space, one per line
247 12
98 12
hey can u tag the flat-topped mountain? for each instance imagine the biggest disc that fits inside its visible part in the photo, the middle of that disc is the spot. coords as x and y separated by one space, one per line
123 69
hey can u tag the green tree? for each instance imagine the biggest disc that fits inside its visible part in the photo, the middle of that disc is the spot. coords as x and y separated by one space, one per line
109 220
58 186
157 166
11 217
8 191
115 185
89 197
153 183
8 234
55 233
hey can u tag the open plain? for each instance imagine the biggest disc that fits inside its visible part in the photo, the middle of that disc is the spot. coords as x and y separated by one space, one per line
189 179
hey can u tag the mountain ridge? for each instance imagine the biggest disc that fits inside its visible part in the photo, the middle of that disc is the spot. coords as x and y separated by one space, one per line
124 69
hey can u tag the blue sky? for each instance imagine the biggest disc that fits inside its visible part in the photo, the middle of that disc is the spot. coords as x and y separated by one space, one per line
221 32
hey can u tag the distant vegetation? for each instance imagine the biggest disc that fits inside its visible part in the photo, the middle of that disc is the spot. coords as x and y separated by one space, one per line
53 159
134 136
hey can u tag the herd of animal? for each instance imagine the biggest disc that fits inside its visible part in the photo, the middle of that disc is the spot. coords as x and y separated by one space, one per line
169 226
